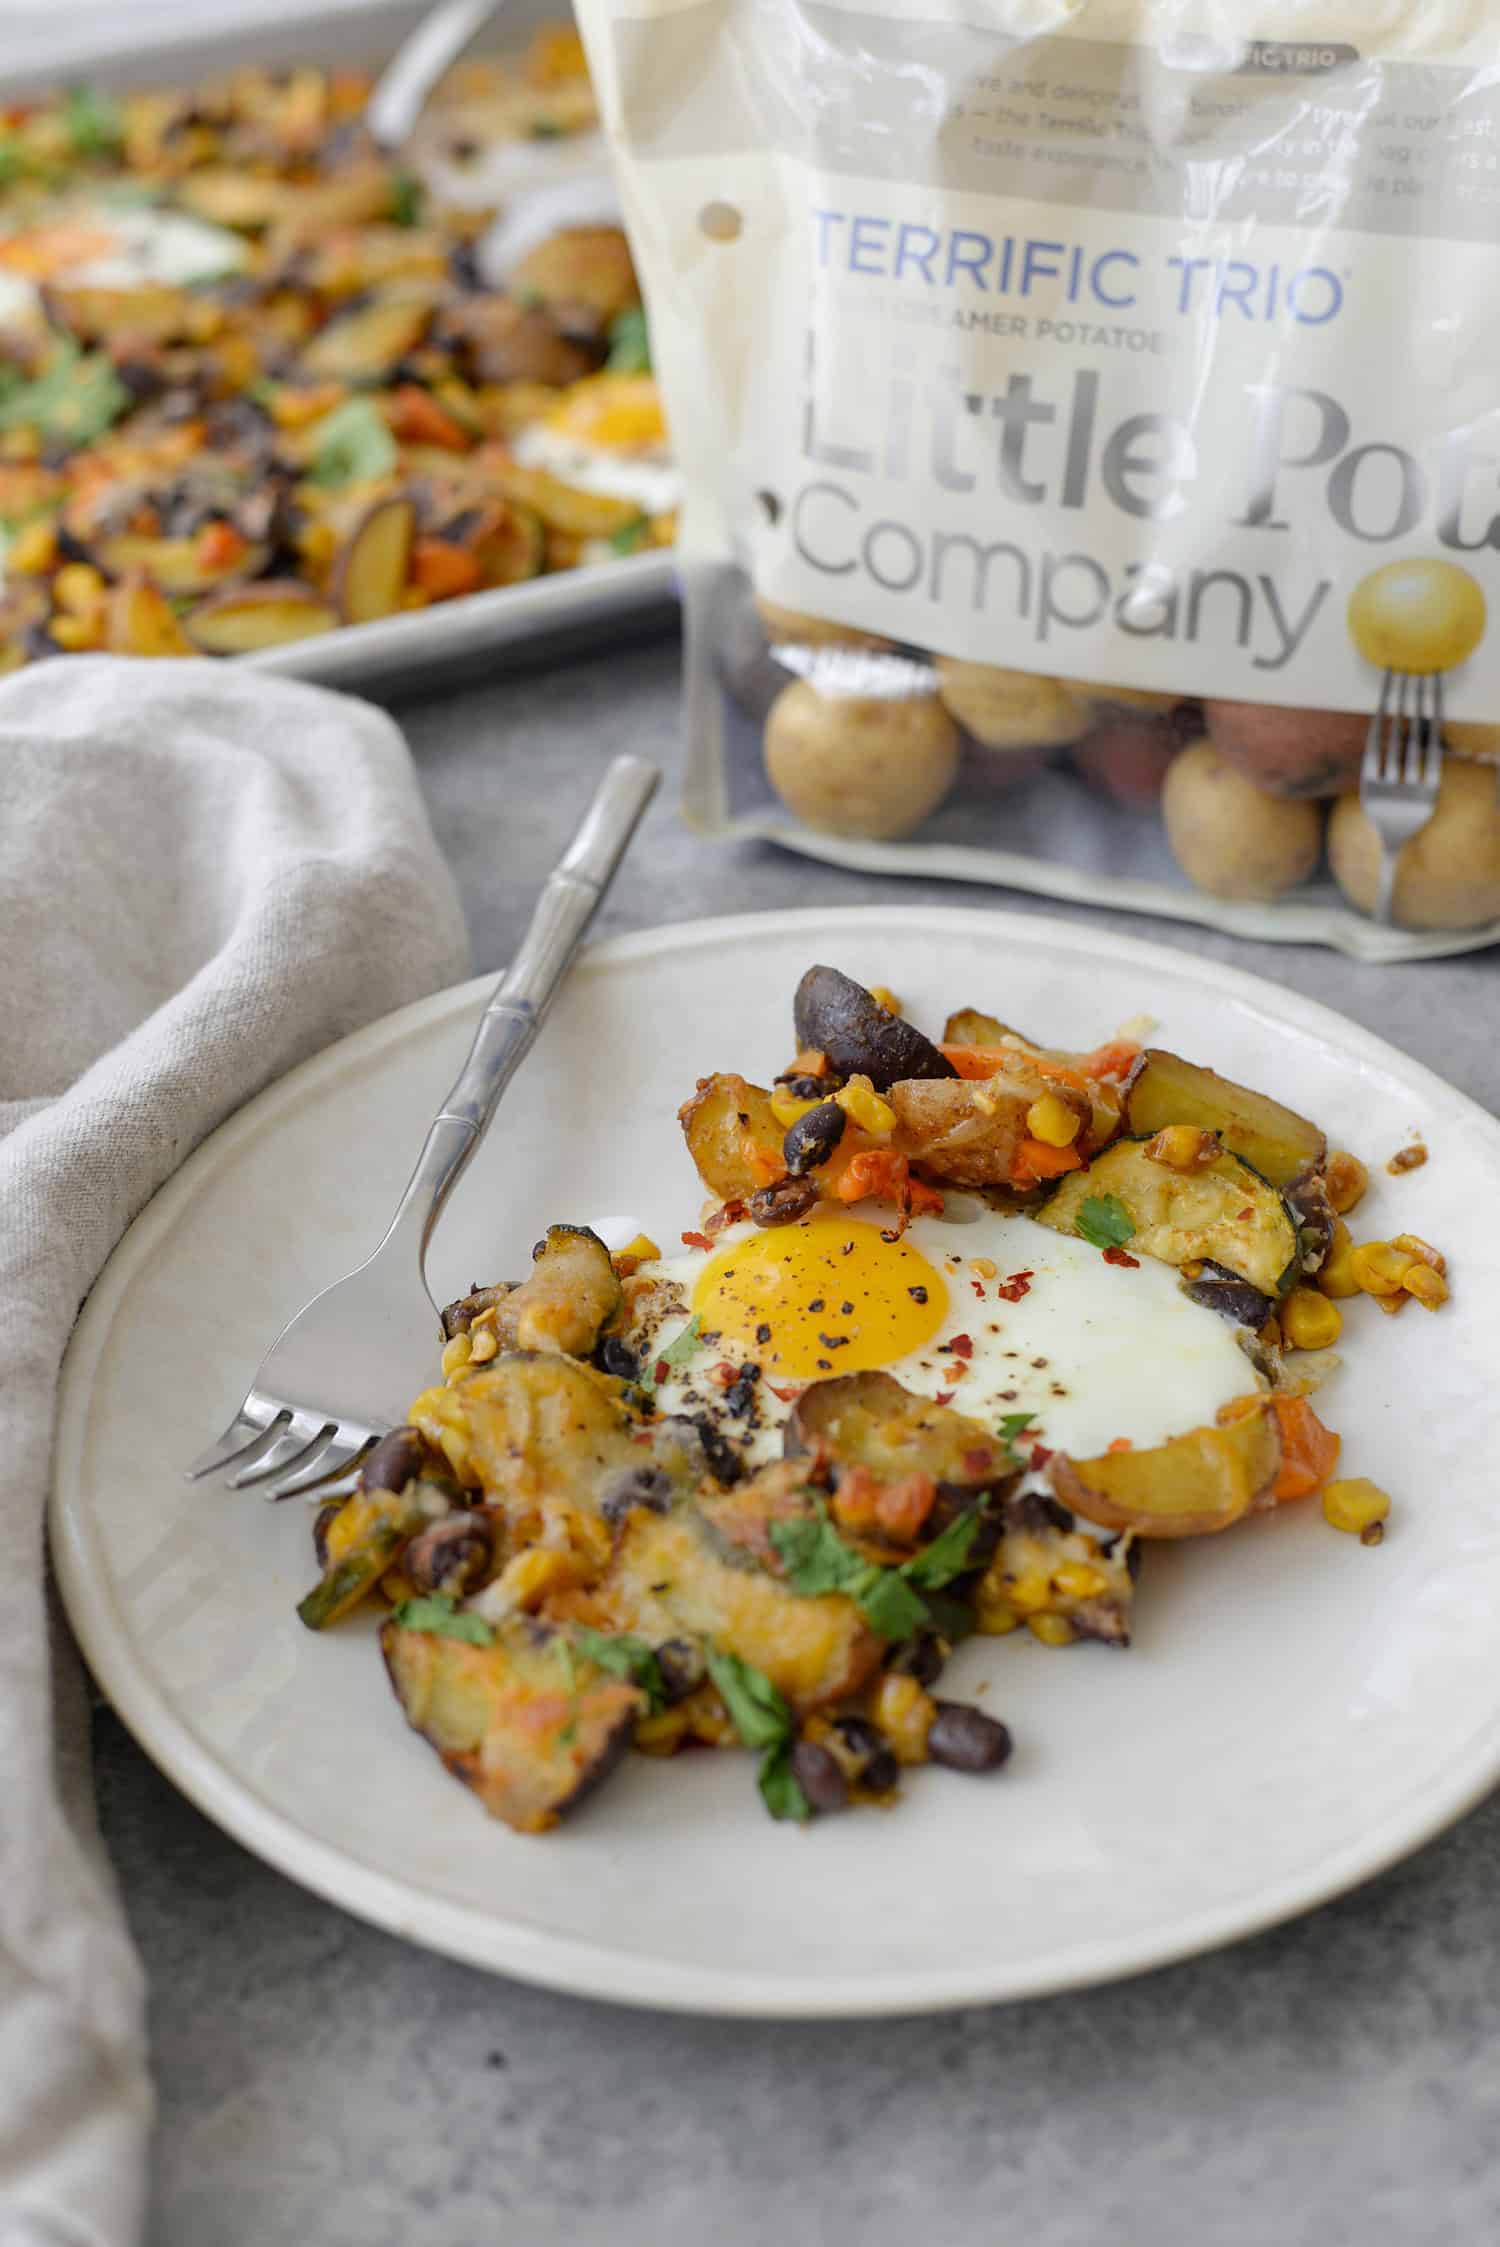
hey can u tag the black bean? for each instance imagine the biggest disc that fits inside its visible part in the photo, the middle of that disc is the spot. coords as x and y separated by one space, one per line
450 1555
784 1204
682 1667
740 1394
813 1137
615 1356
636 1486
921 1657
869 1759
1037 1512
819 1777
394 1461
966 1739
809 1088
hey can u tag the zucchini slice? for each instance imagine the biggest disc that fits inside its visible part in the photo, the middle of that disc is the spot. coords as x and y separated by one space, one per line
1224 1214
1276 1141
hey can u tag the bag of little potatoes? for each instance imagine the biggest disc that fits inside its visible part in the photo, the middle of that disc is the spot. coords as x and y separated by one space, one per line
1090 419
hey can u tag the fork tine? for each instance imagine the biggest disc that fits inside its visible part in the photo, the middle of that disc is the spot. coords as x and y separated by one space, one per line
1432 769
1370 768
241 1435
299 1432
333 1454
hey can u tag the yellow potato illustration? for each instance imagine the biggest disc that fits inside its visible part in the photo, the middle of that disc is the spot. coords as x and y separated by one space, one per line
1420 615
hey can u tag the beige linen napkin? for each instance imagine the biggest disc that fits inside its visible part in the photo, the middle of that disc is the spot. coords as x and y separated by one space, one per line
205 876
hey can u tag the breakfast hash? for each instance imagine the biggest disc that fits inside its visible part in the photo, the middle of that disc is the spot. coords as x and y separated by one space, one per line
255 383
900 1386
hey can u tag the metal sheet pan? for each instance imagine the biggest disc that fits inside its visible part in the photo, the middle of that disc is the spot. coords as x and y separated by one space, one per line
510 626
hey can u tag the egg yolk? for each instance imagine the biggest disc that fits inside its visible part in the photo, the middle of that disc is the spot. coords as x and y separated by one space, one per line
829 1295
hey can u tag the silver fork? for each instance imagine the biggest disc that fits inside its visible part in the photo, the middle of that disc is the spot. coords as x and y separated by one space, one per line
324 1390
1402 769
419 62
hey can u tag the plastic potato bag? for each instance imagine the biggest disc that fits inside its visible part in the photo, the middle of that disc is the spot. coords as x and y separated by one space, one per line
1062 388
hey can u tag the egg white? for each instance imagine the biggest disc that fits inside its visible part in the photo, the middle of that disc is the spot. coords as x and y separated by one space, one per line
1094 1351
650 481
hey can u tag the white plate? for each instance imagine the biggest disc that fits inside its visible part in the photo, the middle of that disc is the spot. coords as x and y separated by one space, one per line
1297 1710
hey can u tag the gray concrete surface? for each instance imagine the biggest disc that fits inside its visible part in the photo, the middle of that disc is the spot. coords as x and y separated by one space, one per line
1333 2084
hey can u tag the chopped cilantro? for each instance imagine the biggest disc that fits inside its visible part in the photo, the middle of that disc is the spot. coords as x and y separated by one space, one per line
441 1614
1105 1221
779 1789
762 1719
623 1655
71 402
352 445
93 122
946 1557
630 536
677 1352
546 128
629 343
406 199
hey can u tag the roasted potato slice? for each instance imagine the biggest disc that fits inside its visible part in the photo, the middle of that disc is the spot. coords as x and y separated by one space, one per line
365 345
140 620
150 313
1224 1214
1274 1140
1193 1486
583 269
175 564
670 1578
732 1135
968 1134
530 1428
369 577
569 1297
561 506
870 1420
528 1721
243 200
259 616
970 1027
840 1018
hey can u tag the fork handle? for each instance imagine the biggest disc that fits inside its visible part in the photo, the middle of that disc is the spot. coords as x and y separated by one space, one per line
518 1008
418 64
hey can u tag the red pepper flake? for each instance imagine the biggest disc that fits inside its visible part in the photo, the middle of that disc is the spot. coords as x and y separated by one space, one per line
962 1345
662 1369
697 1240
1120 1256
724 1373
944 1396
787 1396
730 1214
1120 1443
1012 1290
977 1463
1244 1215
1039 1456
978 1287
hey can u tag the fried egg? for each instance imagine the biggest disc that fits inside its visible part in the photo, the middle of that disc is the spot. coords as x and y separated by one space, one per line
996 1315
108 245
607 435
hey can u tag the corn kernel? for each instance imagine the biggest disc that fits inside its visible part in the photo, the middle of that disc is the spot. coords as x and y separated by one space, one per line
1309 1321
1076 1580
1336 1276
77 633
1052 1630
396 1586
1183 1147
1429 1287
885 998
484 1343
78 585
863 1106
534 1574
787 1106
456 1355
1379 1267
351 1526
33 549
1392 1305
995 1617
317 543
1345 1178
1355 1505
1029 1594
662 1733
1052 1121
904 1713
1422 1251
